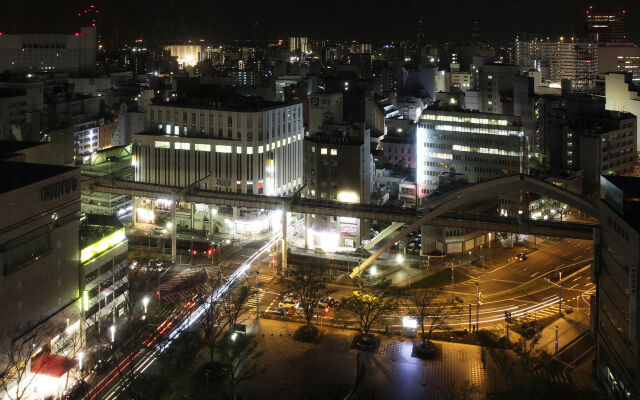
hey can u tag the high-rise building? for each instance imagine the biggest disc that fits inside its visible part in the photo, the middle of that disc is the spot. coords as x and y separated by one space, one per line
566 58
619 57
25 53
479 145
622 95
605 24
299 44
615 272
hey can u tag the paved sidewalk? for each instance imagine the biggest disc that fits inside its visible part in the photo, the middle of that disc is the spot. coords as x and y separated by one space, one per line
296 370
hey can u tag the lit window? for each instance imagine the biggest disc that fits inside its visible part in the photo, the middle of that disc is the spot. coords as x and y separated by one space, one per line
239 149
168 129
202 147
223 149
163 145
323 151
249 150
313 149
334 152
260 150
182 146
268 147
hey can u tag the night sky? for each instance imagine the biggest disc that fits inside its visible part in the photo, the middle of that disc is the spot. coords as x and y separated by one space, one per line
375 20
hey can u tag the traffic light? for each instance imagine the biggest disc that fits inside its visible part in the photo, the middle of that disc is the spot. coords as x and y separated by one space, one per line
507 316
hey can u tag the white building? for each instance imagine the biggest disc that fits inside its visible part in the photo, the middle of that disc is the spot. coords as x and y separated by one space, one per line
24 53
248 147
86 136
479 145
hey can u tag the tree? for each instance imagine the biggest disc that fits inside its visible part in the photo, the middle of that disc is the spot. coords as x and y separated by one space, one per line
368 304
214 319
239 358
235 302
423 306
309 285
17 358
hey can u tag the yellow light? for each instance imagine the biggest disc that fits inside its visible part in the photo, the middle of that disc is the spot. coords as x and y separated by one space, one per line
102 245
348 197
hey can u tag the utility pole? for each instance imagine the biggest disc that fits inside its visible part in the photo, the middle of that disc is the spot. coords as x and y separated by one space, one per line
469 317
452 294
556 339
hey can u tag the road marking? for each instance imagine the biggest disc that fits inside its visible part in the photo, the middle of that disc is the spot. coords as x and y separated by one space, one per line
573 286
534 274
576 278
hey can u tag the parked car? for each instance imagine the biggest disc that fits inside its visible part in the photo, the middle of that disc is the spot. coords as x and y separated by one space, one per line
101 366
459 299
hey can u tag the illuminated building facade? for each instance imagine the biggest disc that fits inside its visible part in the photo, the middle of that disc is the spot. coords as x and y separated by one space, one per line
479 145
104 263
565 58
337 166
40 206
243 149
606 24
75 53
187 54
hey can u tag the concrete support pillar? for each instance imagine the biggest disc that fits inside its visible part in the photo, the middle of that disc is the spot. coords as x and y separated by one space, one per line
134 203
193 212
284 241
174 228
306 231
213 211
235 213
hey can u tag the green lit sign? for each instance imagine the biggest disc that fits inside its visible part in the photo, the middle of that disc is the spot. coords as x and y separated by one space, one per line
104 244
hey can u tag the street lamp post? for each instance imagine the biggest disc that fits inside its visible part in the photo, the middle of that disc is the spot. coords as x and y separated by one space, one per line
112 330
145 303
560 294
477 306
452 284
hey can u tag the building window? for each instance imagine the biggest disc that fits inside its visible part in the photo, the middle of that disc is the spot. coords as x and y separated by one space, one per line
182 146
163 145
25 249
334 152
323 151
202 147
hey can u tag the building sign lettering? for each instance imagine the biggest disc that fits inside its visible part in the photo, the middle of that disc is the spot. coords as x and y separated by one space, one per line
55 190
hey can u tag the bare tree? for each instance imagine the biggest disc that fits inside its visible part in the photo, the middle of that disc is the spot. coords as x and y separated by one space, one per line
214 319
309 285
235 302
423 305
368 304
239 361
17 357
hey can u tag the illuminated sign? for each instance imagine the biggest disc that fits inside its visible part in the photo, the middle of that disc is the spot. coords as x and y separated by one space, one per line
349 230
104 244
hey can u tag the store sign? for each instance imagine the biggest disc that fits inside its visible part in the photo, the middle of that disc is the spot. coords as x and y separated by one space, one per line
349 230
55 190
223 182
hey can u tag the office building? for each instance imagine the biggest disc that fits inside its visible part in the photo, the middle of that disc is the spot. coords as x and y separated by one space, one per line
299 44
30 53
337 166
479 145
187 54
619 57
615 308
605 24
495 87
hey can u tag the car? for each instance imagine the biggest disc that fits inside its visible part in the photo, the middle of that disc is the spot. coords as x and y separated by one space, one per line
77 391
101 366
521 256
286 304
331 302
459 299
411 245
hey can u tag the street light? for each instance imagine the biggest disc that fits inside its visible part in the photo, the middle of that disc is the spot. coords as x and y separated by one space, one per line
477 306
112 329
399 259
374 270
80 357
145 302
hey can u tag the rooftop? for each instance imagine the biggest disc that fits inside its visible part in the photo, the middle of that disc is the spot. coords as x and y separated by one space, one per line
233 103
14 175
11 147
94 227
